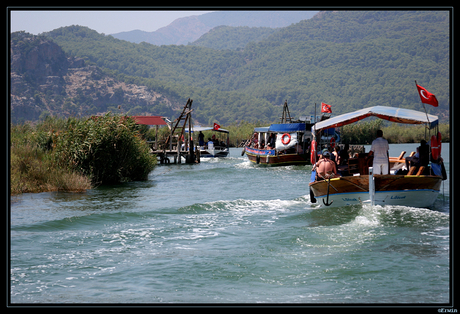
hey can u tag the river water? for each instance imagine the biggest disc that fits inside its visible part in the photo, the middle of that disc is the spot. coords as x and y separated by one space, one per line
226 231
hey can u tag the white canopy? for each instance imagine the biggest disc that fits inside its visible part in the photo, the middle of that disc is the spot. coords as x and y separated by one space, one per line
207 128
398 115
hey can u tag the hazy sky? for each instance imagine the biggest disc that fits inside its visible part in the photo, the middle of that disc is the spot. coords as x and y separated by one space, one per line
107 22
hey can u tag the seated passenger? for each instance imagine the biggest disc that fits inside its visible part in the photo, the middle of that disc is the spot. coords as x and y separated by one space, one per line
343 155
255 141
325 167
421 158
210 144
271 141
262 144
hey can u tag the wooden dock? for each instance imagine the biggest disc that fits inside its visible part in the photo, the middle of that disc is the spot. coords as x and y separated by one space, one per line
173 146
165 156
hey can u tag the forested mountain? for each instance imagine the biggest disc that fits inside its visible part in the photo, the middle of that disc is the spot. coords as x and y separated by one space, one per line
189 29
44 81
233 38
348 59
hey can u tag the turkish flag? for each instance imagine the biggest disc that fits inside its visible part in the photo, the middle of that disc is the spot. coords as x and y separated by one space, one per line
216 126
326 108
426 97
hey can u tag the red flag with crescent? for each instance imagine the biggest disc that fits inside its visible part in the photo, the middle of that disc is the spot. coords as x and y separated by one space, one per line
426 97
326 108
216 126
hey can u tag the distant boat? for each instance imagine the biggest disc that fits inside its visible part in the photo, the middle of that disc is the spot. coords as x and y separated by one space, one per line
357 185
291 143
218 149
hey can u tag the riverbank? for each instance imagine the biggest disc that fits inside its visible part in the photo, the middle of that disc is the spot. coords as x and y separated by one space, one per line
359 133
32 166
76 154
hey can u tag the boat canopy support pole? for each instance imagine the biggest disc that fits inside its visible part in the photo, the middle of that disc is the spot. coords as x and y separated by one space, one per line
371 186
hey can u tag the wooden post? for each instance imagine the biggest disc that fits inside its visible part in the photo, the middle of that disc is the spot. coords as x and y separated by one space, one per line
198 154
179 144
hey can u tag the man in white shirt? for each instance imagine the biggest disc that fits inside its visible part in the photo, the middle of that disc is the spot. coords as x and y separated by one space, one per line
380 149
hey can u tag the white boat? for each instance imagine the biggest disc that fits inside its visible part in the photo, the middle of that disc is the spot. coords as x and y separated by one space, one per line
418 188
212 150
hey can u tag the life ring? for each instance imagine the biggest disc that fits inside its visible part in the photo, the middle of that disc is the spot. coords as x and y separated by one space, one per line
332 142
434 147
439 138
283 140
313 152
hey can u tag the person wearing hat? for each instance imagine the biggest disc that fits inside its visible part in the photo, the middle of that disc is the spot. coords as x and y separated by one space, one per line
325 165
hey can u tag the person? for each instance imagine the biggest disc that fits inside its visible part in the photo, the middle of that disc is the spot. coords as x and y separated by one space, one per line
210 144
201 139
424 151
336 155
379 150
255 140
307 143
271 141
325 166
421 158
343 155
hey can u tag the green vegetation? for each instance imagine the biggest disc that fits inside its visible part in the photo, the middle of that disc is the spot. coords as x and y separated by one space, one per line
348 59
362 132
74 154
108 149
32 166
232 38
395 133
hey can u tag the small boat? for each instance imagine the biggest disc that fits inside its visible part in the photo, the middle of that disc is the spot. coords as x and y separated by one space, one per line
357 185
216 148
290 142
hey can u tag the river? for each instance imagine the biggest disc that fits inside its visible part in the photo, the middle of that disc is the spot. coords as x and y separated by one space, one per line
227 232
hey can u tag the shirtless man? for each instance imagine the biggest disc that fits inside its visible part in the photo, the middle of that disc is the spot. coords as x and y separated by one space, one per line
325 165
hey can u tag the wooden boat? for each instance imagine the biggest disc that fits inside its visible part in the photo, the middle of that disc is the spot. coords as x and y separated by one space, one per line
293 152
358 185
292 142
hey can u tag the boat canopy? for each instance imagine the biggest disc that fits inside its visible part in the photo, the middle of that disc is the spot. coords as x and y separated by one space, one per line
261 129
206 128
398 115
287 127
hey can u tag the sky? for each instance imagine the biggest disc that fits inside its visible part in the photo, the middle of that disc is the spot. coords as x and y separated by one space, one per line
103 21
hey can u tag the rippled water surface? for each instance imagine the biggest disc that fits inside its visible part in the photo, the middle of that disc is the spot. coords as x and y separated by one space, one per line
225 231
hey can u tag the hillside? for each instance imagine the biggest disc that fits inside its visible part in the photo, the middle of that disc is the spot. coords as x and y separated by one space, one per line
189 29
233 38
348 59
44 81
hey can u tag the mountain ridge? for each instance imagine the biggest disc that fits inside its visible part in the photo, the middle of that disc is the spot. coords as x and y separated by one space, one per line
188 29
312 61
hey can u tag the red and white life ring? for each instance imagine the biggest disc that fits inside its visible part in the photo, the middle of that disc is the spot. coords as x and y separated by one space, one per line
284 140
434 147
332 142
313 152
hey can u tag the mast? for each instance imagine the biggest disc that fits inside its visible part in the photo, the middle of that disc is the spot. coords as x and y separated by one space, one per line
286 117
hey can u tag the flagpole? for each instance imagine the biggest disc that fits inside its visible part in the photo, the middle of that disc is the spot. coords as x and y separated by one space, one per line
423 105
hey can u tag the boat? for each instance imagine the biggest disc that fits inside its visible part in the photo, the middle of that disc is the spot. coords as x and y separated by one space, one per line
216 148
419 187
291 141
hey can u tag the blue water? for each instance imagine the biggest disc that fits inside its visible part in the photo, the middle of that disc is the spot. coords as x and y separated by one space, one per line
225 231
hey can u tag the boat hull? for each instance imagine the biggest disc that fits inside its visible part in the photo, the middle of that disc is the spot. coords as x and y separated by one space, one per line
214 153
414 191
269 157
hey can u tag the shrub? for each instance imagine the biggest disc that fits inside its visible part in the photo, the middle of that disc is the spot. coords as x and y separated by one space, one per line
32 168
108 149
